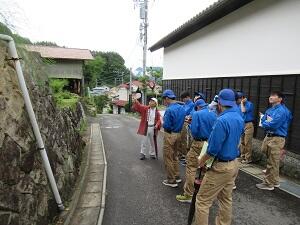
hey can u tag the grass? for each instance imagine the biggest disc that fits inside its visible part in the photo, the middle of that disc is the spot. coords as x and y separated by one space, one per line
66 100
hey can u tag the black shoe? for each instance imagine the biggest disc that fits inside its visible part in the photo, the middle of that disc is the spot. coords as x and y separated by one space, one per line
142 157
152 156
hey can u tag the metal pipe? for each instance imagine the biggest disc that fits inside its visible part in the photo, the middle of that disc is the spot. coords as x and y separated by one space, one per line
14 56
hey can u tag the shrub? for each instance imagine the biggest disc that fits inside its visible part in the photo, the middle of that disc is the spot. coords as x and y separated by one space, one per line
57 85
101 101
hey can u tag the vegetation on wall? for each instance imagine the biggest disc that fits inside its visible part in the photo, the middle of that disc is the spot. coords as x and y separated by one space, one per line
63 98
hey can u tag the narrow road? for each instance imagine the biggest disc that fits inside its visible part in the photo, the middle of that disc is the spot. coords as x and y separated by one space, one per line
136 195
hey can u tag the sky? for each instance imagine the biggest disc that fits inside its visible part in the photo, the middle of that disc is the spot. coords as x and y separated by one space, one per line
103 25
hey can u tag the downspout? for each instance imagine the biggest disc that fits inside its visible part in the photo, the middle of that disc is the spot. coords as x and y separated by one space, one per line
14 56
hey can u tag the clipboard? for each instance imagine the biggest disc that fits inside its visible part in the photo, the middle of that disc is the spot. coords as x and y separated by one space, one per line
210 161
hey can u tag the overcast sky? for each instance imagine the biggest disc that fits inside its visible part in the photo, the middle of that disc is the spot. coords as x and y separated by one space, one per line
104 25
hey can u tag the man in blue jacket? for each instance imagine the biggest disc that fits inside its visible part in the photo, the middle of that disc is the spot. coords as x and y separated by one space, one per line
223 146
275 122
188 107
201 126
172 123
247 110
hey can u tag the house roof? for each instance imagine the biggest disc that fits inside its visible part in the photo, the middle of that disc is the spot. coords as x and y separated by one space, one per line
211 14
121 103
60 53
134 82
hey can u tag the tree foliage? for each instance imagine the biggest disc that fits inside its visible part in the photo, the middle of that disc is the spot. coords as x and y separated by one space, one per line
106 68
101 101
46 43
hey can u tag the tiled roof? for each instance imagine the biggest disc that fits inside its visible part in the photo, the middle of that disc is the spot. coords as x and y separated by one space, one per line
60 53
211 14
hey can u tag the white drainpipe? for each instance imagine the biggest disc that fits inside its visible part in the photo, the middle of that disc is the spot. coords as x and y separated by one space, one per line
14 56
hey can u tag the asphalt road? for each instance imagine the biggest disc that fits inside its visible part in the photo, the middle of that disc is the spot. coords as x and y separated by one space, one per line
136 195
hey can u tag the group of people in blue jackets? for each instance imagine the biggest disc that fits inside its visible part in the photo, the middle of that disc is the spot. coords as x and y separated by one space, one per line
225 127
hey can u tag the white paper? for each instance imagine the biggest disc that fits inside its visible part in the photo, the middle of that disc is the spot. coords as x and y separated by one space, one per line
261 116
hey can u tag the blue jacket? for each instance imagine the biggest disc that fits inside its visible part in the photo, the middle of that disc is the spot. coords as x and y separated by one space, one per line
225 136
277 120
238 109
248 115
174 118
188 107
202 123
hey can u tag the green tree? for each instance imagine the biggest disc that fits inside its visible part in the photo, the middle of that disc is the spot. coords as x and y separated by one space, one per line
101 101
46 43
93 70
114 68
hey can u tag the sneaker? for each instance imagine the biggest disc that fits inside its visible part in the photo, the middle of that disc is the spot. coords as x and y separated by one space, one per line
184 198
277 185
178 180
152 157
244 161
234 187
167 183
142 157
264 186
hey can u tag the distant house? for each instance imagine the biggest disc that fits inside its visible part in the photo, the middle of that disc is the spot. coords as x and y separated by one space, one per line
120 95
240 44
64 63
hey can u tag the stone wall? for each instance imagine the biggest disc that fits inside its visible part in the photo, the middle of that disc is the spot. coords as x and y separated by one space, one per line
25 194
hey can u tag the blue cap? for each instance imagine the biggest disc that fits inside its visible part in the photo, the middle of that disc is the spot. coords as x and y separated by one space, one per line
168 93
200 94
239 94
227 97
200 102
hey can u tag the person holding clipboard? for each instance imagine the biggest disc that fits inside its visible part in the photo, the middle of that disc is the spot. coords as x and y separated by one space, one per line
223 145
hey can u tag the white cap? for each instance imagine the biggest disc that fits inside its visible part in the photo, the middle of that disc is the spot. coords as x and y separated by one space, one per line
154 99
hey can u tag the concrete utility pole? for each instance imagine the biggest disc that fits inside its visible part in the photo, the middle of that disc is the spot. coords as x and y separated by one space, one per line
145 37
143 6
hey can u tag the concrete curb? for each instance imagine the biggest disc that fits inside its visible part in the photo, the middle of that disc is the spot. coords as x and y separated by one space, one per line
79 187
103 198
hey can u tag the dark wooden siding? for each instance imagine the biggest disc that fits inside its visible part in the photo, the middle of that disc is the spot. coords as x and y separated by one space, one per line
257 89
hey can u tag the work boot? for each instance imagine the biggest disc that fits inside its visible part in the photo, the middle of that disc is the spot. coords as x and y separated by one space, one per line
184 198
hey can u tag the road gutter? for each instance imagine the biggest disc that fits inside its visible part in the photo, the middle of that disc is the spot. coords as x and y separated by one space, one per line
102 206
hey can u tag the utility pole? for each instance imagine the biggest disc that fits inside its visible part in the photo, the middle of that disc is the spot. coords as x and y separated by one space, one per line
145 37
143 6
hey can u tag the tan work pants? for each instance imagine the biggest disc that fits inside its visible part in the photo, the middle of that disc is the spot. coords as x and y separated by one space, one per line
183 143
217 184
271 146
191 166
246 142
171 156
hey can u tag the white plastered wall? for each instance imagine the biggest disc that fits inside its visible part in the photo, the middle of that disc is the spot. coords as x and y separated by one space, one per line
261 38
